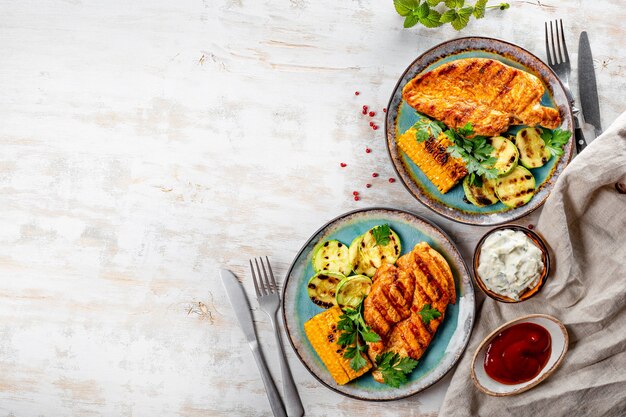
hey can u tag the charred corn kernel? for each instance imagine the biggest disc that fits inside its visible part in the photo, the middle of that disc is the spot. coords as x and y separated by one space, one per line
431 157
323 334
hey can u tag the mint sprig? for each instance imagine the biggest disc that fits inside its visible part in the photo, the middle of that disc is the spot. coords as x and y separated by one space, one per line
455 13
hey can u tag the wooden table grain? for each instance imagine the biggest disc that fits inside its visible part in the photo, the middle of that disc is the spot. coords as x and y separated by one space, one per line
144 145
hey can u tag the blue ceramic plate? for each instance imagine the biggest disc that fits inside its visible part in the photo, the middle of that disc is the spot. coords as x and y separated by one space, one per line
451 337
401 116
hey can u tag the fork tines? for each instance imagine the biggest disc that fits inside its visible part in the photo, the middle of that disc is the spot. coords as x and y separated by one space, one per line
558 54
262 284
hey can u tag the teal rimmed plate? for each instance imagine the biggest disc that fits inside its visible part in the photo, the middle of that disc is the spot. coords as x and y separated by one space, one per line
400 117
451 337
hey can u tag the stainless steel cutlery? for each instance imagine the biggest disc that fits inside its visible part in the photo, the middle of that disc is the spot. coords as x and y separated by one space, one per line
239 301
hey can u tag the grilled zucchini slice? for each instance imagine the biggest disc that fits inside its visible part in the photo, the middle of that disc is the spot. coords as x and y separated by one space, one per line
506 154
333 256
481 196
360 263
352 290
375 254
322 288
517 188
532 148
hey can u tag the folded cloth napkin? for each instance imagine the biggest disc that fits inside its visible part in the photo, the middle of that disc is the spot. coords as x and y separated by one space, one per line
584 224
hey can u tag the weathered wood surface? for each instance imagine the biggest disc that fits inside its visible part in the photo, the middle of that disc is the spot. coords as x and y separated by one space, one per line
146 144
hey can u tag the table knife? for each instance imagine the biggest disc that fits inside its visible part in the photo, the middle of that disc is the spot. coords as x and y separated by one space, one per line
587 88
239 301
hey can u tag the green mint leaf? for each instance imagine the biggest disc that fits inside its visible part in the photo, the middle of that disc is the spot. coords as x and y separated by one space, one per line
411 20
462 18
433 3
479 9
453 4
405 7
382 234
427 313
448 16
422 10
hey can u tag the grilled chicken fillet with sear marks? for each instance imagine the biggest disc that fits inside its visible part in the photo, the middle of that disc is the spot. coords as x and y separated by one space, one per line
485 92
399 293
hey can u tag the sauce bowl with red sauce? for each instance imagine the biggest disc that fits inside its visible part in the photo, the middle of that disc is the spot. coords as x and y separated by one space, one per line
519 355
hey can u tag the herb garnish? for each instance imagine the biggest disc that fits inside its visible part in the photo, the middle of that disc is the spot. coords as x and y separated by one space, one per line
423 12
393 368
381 234
353 329
555 140
428 314
475 152
426 128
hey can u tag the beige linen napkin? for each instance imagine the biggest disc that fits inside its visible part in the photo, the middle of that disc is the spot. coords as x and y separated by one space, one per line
584 223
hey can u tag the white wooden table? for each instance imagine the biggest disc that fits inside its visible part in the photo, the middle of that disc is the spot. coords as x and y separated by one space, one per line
144 145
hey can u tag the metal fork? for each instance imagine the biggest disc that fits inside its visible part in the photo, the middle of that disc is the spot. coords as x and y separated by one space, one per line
269 301
558 60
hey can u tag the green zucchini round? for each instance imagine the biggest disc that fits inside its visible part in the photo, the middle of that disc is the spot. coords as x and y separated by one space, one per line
322 288
352 290
517 188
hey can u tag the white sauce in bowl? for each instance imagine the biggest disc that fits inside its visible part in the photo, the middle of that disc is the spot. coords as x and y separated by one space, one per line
509 263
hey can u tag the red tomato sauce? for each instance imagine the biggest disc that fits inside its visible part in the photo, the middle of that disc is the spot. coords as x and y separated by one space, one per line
518 354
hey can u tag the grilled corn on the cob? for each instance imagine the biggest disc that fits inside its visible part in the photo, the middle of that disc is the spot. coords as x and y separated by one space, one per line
323 334
431 157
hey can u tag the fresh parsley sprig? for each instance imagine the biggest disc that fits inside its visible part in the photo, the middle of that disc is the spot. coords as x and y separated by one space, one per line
474 152
427 313
354 332
394 368
382 234
555 140
456 13
426 128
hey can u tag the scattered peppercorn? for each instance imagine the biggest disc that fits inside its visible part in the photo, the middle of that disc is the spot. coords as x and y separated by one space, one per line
375 127
368 185
356 198
531 227
385 110
343 164
372 114
355 193
356 93
368 150
392 180
375 174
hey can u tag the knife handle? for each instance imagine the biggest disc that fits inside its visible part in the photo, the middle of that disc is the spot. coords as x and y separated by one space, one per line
272 393
579 137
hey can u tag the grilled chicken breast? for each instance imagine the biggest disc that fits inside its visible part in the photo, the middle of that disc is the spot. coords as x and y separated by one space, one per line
484 92
398 293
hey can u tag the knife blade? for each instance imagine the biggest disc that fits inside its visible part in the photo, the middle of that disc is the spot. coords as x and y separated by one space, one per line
587 87
239 301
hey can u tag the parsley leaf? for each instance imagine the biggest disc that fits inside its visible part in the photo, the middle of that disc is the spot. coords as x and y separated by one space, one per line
428 314
394 369
426 128
555 140
381 234
354 330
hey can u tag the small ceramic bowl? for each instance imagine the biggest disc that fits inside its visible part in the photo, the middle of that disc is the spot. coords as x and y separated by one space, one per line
560 340
545 257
